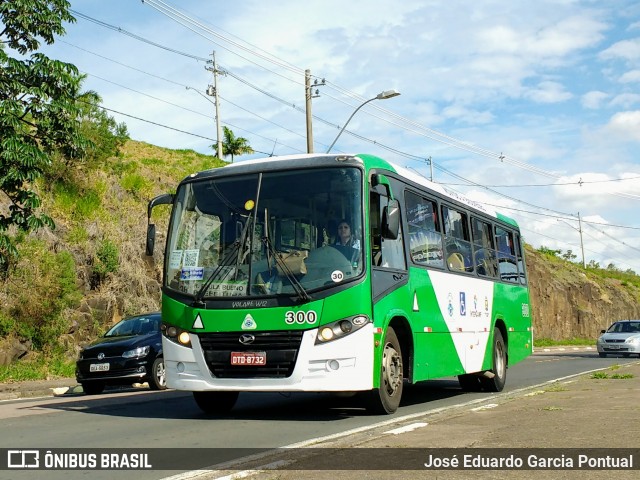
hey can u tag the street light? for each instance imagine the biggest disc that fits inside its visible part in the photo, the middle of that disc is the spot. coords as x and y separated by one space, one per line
381 96
215 104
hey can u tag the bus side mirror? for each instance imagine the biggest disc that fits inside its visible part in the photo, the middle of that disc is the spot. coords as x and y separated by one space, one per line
151 239
391 220
164 199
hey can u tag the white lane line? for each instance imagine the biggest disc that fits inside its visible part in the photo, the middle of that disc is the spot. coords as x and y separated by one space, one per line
407 428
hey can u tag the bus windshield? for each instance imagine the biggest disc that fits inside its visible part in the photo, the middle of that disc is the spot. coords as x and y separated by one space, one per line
266 234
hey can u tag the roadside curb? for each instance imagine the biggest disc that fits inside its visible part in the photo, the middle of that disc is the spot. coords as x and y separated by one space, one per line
577 348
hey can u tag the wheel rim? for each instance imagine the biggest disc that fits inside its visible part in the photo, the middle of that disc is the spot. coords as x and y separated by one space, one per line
160 374
391 369
500 364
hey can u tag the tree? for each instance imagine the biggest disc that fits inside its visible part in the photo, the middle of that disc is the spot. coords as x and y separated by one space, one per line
569 256
38 114
233 145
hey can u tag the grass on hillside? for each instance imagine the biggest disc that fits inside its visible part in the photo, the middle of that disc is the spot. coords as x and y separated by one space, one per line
37 370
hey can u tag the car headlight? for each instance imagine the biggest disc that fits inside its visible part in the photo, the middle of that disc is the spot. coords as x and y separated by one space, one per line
341 328
137 352
633 340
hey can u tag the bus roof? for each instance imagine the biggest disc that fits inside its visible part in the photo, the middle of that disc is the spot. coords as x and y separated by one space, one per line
366 160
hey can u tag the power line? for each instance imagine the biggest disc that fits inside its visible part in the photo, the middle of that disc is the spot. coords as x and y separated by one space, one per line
443 137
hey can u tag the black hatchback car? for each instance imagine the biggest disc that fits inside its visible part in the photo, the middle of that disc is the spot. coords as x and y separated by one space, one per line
130 352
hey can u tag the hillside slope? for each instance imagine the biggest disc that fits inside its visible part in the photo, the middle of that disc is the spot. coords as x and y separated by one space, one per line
74 281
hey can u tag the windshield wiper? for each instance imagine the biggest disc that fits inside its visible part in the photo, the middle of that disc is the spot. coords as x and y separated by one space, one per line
233 255
303 296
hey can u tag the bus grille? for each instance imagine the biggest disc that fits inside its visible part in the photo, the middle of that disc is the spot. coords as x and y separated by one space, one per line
281 348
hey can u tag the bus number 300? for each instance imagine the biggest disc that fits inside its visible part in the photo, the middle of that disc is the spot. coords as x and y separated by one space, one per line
300 317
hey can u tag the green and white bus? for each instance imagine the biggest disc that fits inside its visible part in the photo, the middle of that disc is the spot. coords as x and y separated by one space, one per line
259 294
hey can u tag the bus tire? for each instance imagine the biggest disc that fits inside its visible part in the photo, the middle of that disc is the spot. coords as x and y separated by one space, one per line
386 399
499 369
215 402
470 382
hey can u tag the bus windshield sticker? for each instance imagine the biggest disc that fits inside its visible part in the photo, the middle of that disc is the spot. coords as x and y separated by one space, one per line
191 258
337 276
192 273
175 259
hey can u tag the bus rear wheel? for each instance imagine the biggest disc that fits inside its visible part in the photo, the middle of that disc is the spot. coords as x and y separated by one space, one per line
215 402
386 399
499 370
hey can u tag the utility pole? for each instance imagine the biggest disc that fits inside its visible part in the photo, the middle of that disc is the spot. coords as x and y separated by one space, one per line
431 167
212 91
308 95
584 265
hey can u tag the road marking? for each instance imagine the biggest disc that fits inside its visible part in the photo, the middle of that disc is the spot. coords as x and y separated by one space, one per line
407 428
314 441
488 406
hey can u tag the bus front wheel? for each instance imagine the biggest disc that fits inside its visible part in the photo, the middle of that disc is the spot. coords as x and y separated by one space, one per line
386 399
215 402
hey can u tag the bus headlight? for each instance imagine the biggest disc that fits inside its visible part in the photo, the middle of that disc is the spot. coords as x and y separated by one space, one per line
176 335
341 328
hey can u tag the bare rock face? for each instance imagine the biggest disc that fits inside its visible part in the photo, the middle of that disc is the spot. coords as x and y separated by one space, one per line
12 349
568 302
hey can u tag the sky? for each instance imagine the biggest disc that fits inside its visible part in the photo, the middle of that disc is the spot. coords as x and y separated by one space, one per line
530 107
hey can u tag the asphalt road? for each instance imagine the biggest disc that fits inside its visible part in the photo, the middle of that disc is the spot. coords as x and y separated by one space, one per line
169 419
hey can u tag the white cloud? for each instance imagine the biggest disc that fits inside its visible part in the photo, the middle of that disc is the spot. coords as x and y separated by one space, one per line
625 100
625 125
631 76
626 50
549 92
594 99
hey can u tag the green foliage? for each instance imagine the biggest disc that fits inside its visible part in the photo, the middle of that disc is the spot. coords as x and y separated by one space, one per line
55 366
40 317
547 342
136 184
76 202
106 135
615 376
107 261
37 113
233 145
549 252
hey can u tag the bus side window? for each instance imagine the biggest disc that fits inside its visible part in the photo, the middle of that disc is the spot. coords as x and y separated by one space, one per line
521 264
457 240
483 249
425 239
507 263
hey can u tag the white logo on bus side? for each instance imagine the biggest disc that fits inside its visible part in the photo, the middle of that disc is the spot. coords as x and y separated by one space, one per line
300 317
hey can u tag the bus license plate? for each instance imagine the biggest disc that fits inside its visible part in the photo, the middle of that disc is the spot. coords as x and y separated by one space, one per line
248 358
99 367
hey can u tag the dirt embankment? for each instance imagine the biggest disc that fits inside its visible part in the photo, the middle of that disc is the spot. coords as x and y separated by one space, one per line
569 302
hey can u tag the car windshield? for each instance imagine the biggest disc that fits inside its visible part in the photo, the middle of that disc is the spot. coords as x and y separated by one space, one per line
625 327
266 234
134 326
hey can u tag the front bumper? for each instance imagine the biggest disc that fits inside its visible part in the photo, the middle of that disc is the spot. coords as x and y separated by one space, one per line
621 348
342 365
